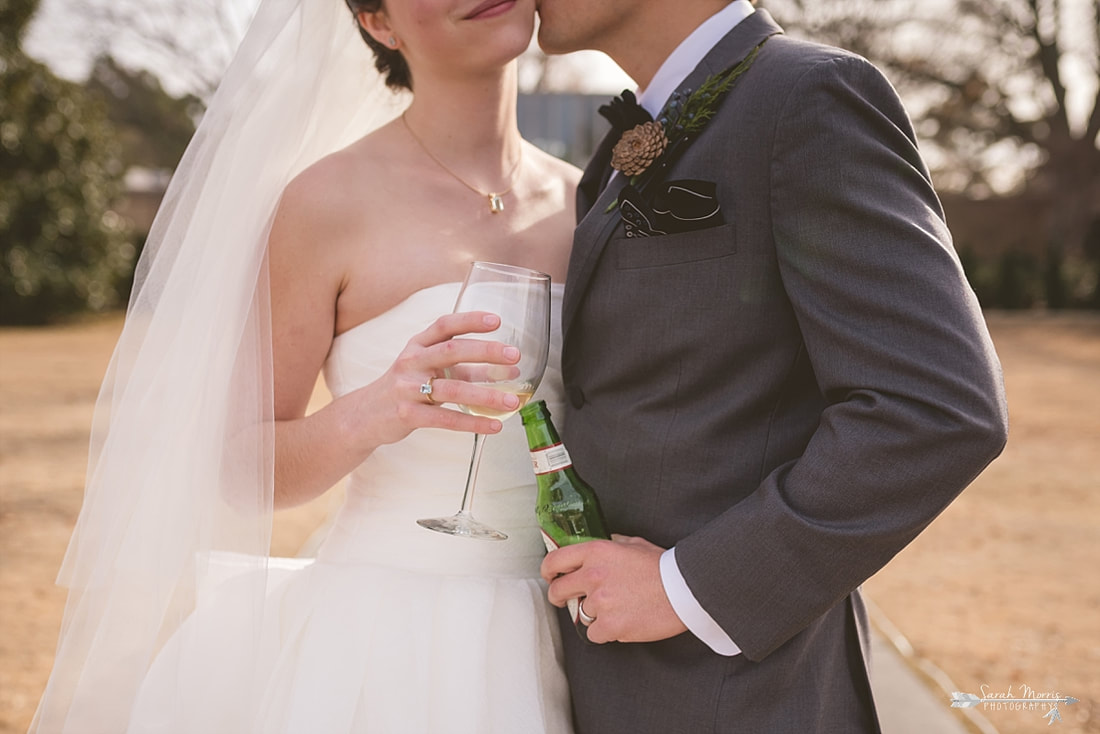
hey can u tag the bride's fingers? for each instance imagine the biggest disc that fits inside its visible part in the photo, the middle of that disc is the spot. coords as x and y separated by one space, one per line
477 354
454 324
463 393
428 416
474 372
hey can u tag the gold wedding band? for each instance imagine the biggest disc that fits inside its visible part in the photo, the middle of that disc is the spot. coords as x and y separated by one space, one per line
426 390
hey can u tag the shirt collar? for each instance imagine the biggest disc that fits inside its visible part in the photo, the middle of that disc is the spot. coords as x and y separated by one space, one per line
690 52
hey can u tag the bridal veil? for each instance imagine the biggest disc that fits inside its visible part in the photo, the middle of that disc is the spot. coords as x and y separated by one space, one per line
181 461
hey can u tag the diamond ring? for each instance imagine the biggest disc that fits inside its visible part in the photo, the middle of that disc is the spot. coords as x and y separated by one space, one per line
426 390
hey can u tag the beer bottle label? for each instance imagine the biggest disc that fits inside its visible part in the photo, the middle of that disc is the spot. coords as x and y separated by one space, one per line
550 459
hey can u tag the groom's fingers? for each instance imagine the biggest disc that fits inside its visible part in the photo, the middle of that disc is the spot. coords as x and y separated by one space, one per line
568 558
622 584
564 569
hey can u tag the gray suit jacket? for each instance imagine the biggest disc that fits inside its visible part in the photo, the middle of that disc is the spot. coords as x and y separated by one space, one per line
788 398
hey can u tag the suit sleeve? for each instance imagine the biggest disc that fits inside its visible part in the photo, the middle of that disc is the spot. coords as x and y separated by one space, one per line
915 404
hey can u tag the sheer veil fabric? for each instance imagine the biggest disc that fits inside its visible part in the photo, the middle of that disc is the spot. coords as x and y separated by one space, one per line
181 459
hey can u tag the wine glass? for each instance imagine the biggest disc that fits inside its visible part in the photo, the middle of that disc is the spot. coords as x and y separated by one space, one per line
521 298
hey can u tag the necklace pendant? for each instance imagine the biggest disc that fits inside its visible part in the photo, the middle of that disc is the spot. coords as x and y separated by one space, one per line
496 203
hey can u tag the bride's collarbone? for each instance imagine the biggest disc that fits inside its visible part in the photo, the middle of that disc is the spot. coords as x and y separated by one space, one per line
444 205
429 249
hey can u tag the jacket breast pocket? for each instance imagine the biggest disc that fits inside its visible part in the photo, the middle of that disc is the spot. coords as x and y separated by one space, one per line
674 249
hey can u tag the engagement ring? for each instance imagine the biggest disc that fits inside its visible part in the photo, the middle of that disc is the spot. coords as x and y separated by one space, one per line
426 390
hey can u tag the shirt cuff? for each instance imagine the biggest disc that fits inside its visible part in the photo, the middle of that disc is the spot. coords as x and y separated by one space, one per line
690 612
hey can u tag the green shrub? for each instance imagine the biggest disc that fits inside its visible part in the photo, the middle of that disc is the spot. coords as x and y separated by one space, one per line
63 249
1017 280
1055 286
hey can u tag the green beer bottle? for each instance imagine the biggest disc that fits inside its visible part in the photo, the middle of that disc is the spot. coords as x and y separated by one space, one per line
567 509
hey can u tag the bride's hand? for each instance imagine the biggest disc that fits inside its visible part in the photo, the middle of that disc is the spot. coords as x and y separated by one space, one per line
405 408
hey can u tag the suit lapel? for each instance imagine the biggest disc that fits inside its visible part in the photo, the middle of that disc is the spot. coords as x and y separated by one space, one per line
597 224
589 240
595 175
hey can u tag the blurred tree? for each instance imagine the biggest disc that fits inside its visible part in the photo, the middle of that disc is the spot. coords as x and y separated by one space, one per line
62 248
1055 287
1005 94
153 126
1018 280
14 16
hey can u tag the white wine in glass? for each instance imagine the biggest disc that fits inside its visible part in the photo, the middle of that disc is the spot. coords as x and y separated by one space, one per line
521 298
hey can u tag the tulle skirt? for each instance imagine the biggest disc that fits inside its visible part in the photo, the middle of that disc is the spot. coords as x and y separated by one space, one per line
365 648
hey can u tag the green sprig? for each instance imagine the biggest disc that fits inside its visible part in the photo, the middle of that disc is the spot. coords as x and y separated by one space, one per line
695 112
680 119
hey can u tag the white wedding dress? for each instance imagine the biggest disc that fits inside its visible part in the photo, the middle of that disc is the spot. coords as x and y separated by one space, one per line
392 629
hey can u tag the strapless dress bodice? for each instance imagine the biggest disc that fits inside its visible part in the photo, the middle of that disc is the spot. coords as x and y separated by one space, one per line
424 474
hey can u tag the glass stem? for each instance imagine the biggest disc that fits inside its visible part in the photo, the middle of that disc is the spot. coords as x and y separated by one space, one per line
471 478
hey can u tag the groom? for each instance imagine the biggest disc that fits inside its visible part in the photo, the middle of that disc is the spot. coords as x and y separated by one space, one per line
777 375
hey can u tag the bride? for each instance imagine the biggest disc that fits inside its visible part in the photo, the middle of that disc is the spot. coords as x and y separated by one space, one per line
320 223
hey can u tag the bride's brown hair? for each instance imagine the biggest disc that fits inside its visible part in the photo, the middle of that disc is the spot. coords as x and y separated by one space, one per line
387 60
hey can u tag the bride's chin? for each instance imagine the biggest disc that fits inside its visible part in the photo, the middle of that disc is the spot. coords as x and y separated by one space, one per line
504 44
512 45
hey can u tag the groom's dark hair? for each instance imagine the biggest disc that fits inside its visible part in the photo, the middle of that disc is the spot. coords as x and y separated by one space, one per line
388 61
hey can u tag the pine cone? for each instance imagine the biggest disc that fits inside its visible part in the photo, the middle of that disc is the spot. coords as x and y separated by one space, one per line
638 147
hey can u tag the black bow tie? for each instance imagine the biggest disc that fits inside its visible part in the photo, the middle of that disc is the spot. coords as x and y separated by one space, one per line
624 113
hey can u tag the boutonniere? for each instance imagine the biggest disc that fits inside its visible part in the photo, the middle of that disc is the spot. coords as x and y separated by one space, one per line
649 146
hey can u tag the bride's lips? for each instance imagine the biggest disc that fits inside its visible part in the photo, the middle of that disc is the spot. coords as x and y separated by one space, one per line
490 9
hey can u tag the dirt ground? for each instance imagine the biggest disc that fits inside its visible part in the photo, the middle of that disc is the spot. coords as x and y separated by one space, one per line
1002 590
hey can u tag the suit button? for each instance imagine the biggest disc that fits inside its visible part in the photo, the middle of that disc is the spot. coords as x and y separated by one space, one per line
576 397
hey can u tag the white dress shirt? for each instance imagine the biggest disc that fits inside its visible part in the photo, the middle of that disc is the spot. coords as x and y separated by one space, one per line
672 73
689 53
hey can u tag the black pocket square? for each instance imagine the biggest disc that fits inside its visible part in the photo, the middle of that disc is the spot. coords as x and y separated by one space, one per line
686 205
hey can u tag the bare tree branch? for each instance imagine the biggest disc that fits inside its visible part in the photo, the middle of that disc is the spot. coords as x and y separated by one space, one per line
1048 56
1092 129
191 41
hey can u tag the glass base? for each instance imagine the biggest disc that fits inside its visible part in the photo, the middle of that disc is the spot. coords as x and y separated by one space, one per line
462 524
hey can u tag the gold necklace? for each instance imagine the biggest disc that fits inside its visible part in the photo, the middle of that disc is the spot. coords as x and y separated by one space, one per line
496 198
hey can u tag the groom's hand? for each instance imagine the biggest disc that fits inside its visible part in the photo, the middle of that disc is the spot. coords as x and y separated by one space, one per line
620 580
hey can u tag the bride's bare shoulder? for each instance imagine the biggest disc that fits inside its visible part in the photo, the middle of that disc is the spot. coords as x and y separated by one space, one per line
323 207
336 182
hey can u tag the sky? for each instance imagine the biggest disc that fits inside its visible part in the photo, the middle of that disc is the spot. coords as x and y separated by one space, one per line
57 37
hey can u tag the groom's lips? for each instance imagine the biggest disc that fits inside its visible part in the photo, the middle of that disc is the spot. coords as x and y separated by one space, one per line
490 9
